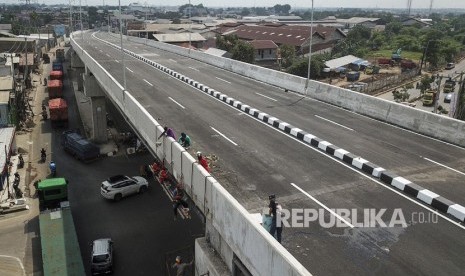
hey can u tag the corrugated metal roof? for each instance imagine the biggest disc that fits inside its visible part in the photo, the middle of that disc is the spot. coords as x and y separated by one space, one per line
215 52
6 83
338 62
6 138
4 97
183 37
263 44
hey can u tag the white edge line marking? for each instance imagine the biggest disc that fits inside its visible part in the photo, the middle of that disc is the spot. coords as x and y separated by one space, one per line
223 80
176 103
108 55
334 122
224 136
195 69
322 205
148 82
130 70
116 60
350 168
437 163
172 60
266 96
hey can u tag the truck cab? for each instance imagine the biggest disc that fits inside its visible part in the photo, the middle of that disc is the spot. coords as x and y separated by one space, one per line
51 192
429 98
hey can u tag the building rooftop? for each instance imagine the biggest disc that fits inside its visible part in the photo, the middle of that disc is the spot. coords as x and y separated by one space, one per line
182 37
6 138
263 44
6 84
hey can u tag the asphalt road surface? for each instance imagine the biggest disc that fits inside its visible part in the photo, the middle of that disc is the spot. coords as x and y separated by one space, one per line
256 160
142 226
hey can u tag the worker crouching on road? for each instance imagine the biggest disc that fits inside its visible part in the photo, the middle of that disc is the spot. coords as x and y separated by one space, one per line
203 161
184 140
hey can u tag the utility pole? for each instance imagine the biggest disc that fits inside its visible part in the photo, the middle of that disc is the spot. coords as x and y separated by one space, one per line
436 100
25 66
121 40
190 26
459 105
309 51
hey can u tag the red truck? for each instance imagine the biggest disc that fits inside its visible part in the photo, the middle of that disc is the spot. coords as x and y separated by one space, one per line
385 61
56 75
55 89
58 109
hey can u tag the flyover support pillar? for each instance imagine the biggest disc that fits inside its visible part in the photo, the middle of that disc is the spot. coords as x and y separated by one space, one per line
99 112
78 68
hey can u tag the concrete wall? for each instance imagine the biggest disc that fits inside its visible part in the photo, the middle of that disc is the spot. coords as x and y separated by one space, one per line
437 126
228 222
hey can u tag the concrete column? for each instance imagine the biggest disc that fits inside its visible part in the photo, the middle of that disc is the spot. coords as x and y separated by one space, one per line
97 98
99 120
79 73
78 67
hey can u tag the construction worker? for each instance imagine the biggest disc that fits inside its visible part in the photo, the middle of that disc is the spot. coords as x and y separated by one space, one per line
184 140
181 268
203 161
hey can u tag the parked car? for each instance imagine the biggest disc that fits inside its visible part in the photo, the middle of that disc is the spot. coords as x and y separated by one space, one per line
448 97
450 65
119 186
102 256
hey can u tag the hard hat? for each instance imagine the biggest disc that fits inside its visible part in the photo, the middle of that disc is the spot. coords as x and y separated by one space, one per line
198 153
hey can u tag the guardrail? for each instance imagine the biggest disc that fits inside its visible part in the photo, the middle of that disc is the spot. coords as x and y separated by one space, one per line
253 245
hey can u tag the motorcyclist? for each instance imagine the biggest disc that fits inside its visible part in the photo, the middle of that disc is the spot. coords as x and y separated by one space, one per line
21 161
53 168
43 155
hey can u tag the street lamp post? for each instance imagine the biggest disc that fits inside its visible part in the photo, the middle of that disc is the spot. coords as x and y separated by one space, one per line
146 31
309 50
121 40
190 26
80 18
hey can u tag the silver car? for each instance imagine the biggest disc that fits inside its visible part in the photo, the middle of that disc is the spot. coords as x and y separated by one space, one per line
448 97
119 186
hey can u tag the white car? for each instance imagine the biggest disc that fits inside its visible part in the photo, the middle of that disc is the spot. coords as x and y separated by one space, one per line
119 186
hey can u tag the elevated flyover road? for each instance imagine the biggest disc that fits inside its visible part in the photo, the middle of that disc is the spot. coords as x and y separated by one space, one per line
257 160
432 164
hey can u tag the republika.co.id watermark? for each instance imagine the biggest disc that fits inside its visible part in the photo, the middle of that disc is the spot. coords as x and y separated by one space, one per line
351 218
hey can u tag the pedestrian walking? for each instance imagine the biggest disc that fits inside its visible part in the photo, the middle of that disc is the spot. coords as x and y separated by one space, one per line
272 212
178 200
181 268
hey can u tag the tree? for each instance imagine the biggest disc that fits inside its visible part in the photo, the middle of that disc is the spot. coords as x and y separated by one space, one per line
243 51
393 28
226 42
425 84
300 67
287 55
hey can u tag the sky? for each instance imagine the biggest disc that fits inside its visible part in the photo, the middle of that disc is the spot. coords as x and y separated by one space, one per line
416 4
